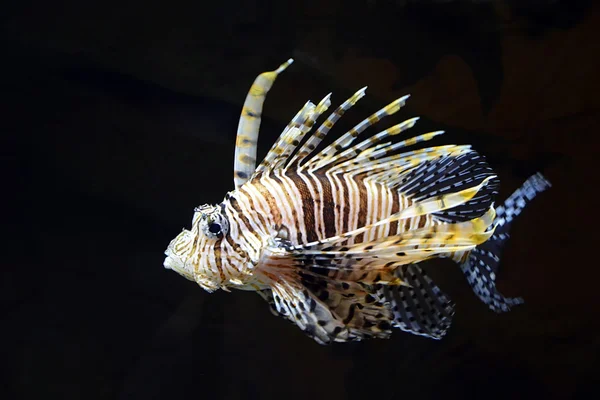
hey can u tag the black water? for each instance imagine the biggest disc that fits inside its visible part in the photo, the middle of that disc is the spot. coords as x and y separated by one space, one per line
118 118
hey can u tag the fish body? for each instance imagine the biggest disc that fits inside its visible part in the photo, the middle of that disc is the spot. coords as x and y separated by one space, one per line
332 239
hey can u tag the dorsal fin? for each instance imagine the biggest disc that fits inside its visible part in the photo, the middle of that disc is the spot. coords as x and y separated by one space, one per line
249 125
286 151
291 129
291 136
346 139
369 146
313 141
387 169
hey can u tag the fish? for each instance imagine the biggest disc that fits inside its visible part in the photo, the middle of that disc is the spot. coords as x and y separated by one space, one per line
334 237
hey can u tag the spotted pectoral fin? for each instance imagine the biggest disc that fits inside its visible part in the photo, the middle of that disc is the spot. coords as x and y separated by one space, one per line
419 307
379 281
295 303
373 296
326 309
330 302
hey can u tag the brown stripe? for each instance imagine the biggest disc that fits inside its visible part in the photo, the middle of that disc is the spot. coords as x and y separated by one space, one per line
306 201
208 249
262 221
407 222
345 188
217 250
240 214
274 210
237 248
328 206
288 199
307 207
395 209
340 191
363 206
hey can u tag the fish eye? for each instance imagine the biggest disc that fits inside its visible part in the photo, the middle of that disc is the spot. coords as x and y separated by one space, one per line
213 223
214 228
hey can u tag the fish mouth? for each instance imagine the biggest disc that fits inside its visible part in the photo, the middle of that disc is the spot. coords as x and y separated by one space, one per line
175 263
168 259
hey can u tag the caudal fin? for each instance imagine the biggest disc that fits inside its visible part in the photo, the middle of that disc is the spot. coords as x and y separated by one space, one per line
482 265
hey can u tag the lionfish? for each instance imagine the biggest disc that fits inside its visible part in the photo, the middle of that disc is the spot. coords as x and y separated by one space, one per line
333 240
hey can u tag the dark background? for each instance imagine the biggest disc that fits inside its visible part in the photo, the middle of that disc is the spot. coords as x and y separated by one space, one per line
118 117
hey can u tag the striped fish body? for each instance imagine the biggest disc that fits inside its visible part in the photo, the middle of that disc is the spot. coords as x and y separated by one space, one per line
332 239
310 207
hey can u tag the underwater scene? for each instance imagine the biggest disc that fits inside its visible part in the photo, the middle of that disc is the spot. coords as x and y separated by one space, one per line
306 199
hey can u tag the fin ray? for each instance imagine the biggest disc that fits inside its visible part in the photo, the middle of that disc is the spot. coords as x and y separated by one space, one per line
346 139
420 308
249 125
310 145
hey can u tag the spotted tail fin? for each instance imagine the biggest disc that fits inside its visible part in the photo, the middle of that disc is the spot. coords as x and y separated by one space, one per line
482 264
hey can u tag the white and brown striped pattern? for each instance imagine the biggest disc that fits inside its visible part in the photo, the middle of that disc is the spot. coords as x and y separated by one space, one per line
329 237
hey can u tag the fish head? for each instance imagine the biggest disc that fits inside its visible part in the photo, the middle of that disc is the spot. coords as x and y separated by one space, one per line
200 254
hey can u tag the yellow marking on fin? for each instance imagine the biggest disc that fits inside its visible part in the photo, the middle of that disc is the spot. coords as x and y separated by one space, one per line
395 105
249 124
244 141
249 113
246 159
366 146
257 89
346 139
